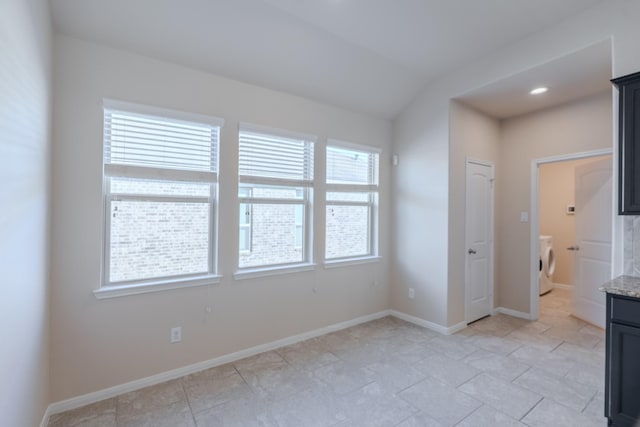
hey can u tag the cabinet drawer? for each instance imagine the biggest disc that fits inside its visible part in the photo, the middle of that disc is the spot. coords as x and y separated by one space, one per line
625 310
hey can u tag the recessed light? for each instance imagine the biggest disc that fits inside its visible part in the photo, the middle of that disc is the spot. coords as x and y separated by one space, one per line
539 90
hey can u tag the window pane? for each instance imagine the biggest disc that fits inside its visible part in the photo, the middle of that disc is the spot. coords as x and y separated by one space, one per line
159 188
347 231
299 230
347 197
273 236
158 239
245 227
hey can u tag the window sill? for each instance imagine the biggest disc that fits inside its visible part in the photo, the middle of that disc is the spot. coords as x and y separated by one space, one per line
351 261
250 273
144 288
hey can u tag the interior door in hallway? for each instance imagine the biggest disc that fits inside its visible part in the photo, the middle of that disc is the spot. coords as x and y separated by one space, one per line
593 198
479 240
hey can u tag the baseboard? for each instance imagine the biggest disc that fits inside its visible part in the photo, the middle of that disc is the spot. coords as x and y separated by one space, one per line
514 313
77 402
561 286
429 325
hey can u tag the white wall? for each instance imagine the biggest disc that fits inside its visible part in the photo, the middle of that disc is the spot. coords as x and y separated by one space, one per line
25 89
579 126
421 138
475 135
101 343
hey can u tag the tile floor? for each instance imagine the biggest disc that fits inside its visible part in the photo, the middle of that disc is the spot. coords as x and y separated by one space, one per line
501 371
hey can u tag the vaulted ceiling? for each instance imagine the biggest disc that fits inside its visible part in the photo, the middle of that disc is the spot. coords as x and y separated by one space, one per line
371 56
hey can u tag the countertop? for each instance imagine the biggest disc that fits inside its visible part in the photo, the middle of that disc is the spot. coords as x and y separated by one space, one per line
623 285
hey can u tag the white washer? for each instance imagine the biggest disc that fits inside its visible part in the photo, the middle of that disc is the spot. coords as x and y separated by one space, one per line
547 264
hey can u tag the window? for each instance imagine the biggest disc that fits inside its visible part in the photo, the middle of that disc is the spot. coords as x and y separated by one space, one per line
276 181
160 175
352 200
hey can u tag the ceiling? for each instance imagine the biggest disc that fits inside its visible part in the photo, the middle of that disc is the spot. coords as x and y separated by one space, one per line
371 56
582 73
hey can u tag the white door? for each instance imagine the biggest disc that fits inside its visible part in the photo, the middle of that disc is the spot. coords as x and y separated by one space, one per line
593 240
479 240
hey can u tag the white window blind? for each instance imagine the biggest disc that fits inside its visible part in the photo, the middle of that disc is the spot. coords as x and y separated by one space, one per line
346 166
142 140
271 155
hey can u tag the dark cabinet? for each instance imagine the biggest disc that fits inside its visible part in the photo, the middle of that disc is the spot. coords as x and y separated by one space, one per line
629 144
622 393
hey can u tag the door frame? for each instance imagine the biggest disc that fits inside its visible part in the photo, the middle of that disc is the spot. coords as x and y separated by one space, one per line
616 232
468 161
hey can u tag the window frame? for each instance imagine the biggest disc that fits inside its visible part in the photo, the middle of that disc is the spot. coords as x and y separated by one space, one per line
305 185
372 189
247 225
109 289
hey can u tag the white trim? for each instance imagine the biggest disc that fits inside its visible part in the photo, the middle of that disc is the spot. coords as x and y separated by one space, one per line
45 417
351 261
562 286
534 292
114 170
250 273
283 133
129 107
444 330
353 146
264 181
86 399
143 288
351 188
513 313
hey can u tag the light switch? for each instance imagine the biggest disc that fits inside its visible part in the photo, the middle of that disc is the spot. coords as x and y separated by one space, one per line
524 216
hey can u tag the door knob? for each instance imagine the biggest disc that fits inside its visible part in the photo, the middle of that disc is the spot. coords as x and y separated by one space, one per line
573 248
471 251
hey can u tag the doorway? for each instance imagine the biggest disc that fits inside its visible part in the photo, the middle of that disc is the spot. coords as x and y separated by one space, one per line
572 217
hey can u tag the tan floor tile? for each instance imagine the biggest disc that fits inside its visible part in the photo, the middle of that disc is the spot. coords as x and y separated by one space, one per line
172 415
344 377
396 374
454 346
501 395
439 401
204 391
317 407
100 414
447 370
497 365
374 406
307 355
151 398
489 417
250 412
561 390
549 413
420 420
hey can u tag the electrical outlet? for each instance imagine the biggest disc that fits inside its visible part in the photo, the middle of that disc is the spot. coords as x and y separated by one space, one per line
176 335
412 293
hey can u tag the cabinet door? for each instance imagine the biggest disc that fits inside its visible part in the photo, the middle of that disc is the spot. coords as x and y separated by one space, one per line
629 128
624 377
